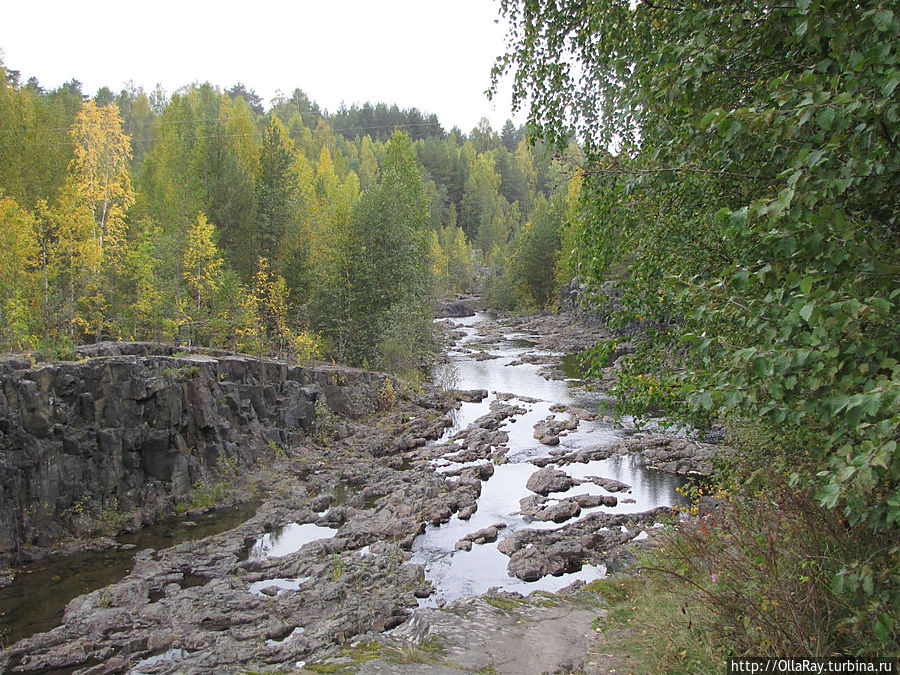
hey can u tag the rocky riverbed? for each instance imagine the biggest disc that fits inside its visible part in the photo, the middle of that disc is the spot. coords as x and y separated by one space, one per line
424 533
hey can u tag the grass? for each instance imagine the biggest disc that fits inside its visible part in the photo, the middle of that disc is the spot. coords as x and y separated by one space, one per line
766 574
426 652
652 629
504 603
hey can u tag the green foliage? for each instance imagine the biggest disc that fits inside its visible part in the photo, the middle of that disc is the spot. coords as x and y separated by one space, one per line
740 186
140 215
530 272
648 625
777 578
375 290
753 192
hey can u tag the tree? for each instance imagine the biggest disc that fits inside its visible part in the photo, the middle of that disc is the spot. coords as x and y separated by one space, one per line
226 161
277 190
100 171
18 279
202 264
249 96
479 202
740 183
372 295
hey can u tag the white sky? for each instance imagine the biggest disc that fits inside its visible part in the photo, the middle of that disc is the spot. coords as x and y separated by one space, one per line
435 55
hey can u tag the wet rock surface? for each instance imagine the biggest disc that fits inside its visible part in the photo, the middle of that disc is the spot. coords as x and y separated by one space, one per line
547 480
660 452
358 597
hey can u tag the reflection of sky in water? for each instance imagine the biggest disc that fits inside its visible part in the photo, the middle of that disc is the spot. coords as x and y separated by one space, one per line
287 539
460 573
281 584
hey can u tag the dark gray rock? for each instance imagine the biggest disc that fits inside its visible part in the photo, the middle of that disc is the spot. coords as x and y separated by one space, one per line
137 424
456 308
547 480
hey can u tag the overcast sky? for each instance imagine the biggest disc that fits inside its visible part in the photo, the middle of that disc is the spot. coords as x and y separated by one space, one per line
435 55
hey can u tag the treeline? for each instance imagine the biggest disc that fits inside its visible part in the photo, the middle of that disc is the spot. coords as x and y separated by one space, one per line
204 219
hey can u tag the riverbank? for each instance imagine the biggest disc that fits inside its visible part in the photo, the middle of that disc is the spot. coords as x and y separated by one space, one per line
373 522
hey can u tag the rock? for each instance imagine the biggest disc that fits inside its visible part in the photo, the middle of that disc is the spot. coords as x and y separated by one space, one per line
139 424
484 535
560 512
547 480
549 430
478 636
454 309
471 395
590 501
467 511
609 484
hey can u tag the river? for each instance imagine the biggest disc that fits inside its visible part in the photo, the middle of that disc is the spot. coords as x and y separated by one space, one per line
457 573
36 599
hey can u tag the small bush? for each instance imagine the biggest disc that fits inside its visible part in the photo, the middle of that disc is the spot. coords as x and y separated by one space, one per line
784 576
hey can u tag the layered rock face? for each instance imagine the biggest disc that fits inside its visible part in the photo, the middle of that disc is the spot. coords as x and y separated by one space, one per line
131 426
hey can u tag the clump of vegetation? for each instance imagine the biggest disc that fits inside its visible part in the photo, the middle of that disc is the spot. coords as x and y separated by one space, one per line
504 603
215 488
386 396
425 652
277 451
326 422
752 579
338 566
651 625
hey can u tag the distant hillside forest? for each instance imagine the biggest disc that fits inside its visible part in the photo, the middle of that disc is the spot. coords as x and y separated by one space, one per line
203 218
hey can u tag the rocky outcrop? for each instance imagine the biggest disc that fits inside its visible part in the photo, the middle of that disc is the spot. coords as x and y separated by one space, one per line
457 307
595 539
670 454
132 426
547 480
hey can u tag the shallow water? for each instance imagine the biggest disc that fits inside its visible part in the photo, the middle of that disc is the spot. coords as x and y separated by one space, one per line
457 574
288 539
35 601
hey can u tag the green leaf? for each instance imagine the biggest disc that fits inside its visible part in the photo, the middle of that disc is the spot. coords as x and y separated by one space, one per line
890 85
837 583
844 474
830 494
883 19
807 311
741 279
760 366
824 118
705 400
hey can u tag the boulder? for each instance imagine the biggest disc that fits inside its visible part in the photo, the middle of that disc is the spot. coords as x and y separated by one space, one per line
547 480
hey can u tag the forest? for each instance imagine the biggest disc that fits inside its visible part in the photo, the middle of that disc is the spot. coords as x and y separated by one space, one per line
203 218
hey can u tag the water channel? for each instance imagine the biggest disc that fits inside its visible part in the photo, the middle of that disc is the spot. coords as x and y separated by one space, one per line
456 573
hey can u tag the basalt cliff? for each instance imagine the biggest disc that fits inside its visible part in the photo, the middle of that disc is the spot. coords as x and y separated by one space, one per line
129 428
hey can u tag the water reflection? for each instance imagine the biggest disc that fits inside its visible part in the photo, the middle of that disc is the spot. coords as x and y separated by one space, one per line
457 574
288 539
